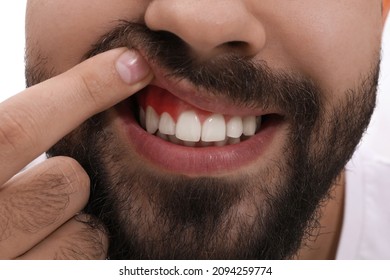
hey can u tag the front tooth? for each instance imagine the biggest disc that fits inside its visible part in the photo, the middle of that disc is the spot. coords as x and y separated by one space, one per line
188 127
167 125
214 129
152 120
249 125
234 127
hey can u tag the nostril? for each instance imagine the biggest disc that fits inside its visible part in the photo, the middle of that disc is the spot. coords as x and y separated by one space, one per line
236 44
240 47
209 28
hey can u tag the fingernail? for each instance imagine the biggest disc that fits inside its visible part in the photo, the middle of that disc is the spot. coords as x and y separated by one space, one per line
132 67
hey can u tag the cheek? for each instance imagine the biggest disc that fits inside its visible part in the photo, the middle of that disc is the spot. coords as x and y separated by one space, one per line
336 48
63 31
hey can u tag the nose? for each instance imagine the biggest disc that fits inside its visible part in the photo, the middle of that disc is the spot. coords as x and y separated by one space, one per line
209 27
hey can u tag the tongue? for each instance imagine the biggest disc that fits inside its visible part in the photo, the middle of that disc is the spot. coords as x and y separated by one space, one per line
162 101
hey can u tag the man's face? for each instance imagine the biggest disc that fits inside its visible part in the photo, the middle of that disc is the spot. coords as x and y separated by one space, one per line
254 110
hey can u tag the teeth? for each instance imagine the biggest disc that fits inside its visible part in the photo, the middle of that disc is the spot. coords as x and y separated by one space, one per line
214 129
152 120
249 126
167 125
189 131
188 127
234 127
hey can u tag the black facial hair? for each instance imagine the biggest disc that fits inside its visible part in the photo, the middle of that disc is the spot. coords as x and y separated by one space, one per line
153 215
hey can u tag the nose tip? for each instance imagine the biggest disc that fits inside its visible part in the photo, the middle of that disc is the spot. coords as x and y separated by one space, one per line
209 27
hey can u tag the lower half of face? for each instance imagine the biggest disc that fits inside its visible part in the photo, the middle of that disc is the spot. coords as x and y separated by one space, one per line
256 197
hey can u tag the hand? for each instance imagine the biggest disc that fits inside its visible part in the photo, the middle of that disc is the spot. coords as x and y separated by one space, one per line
38 207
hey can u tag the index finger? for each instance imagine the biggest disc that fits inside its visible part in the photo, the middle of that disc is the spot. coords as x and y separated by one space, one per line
35 119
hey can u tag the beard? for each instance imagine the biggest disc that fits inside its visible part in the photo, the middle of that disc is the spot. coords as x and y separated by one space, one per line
267 213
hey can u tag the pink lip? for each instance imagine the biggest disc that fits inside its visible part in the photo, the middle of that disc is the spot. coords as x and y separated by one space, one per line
193 161
196 161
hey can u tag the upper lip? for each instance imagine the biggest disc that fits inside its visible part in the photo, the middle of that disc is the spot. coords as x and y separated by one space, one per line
200 98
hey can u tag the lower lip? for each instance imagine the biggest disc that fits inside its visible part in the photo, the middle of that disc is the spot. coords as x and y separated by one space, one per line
194 161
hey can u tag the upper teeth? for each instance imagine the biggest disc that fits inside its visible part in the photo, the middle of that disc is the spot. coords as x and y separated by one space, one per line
190 129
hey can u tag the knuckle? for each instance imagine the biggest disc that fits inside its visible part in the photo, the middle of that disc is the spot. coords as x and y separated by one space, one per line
33 207
72 173
88 242
42 199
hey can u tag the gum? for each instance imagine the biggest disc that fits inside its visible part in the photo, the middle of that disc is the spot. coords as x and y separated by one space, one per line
162 101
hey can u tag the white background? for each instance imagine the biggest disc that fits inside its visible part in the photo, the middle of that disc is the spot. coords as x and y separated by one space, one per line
12 51
11 47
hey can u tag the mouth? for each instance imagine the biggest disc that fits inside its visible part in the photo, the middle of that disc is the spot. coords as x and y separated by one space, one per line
184 131
162 114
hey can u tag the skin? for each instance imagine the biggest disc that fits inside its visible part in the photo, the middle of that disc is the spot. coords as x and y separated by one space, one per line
61 233
321 40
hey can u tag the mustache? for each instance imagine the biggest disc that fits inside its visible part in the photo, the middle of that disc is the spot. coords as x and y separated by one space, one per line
244 81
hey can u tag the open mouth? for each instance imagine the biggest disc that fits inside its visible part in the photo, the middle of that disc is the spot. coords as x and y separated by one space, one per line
162 114
191 134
